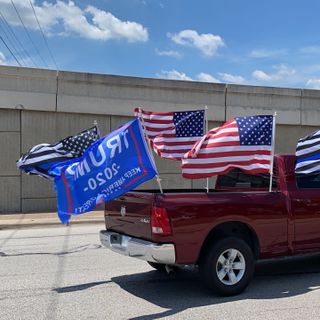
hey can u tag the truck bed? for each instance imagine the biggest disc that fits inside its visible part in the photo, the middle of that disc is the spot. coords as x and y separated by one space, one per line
131 213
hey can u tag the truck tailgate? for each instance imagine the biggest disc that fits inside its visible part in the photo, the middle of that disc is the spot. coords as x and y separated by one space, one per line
130 214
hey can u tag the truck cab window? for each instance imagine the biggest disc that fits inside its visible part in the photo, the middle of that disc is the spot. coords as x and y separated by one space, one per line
309 181
239 179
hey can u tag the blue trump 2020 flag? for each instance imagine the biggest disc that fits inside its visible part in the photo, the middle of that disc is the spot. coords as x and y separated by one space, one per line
110 167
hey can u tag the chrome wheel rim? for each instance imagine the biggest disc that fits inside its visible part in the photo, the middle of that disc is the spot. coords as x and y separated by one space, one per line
230 267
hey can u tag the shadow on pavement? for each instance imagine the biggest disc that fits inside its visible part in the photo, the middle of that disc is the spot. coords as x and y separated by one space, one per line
80 287
182 290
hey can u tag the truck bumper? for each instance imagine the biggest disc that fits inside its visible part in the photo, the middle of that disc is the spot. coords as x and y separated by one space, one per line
138 248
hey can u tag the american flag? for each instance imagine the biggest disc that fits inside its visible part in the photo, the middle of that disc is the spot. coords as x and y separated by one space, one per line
39 159
243 142
172 134
308 154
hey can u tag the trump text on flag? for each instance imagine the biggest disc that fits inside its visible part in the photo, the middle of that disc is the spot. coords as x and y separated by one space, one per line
112 166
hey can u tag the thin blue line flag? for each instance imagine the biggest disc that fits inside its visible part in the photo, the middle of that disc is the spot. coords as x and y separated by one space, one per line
110 167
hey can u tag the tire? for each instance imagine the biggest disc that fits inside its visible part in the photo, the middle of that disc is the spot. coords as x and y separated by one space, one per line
227 267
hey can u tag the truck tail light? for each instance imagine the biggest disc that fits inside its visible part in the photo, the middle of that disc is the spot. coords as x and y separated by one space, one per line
160 222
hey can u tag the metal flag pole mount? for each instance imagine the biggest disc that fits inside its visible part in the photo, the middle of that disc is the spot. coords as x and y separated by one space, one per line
207 129
95 123
150 148
272 149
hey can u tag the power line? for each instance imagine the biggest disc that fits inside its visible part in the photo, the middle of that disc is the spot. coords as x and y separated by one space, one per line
11 42
43 36
24 50
10 51
26 30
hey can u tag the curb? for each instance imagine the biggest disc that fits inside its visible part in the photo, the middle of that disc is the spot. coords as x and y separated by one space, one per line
34 220
35 224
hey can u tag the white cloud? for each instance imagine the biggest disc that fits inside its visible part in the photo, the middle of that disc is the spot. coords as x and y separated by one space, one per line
261 75
170 53
284 70
3 60
207 43
66 18
310 50
281 72
173 75
202 77
264 53
111 27
230 78
176 75
313 84
205 77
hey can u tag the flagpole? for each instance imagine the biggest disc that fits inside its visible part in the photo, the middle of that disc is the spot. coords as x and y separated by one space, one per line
272 149
150 149
207 129
95 123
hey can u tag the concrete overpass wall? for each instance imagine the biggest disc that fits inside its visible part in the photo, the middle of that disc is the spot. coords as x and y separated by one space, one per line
39 106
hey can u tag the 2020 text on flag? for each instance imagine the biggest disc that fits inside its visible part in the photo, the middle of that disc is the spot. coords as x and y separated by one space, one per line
172 134
242 142
113 165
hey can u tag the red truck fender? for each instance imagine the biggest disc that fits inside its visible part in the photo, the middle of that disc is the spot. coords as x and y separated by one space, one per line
234 228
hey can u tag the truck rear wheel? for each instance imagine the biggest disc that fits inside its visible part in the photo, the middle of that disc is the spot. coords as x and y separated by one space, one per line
227 267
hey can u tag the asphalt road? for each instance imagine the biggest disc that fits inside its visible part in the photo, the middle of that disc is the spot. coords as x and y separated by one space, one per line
64 273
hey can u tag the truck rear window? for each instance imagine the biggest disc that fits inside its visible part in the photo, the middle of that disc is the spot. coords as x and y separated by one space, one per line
241 180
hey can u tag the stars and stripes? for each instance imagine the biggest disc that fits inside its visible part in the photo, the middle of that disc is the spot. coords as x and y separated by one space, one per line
39 159
172 134
243 142
77 144
308 154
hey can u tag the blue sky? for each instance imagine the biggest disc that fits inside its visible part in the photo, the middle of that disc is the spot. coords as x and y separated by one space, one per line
270 43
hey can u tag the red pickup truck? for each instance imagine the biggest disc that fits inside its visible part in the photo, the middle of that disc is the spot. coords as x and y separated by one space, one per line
224 231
